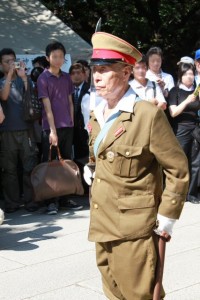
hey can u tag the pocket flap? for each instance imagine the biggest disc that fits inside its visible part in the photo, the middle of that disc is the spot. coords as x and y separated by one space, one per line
133 201
128 151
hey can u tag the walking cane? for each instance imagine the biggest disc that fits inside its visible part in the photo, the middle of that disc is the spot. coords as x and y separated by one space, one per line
160 266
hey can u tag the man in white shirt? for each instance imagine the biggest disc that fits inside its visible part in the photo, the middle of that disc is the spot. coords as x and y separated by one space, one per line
144 88
88 104
155 73
80 140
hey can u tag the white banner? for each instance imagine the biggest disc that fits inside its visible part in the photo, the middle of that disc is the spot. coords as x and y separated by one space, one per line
28 58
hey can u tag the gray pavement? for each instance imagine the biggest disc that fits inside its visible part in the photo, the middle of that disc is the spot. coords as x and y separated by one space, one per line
49 257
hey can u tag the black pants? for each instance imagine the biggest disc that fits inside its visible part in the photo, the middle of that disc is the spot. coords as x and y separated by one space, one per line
17 145
192 150
80 142
65 139
81 152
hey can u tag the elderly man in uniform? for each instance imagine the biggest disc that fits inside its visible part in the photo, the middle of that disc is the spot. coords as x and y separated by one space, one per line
130 143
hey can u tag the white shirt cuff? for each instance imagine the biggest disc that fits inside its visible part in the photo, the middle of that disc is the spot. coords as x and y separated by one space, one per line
165 224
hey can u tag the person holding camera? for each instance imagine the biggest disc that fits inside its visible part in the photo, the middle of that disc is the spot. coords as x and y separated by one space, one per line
184 105
16 138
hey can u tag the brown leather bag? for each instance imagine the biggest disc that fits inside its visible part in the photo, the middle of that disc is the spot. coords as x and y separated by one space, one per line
56 178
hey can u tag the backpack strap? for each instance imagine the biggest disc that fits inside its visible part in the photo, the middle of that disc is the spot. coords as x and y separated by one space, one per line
154 89
104 131
177 94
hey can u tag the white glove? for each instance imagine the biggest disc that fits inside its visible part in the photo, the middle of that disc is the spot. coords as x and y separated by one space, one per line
164 224
88 175
1 216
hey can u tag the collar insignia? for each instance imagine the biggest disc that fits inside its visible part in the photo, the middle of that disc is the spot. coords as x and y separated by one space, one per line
119 131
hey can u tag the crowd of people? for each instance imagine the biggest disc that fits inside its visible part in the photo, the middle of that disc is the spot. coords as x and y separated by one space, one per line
66 103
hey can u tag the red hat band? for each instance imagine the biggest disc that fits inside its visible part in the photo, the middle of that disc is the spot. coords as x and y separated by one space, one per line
111 54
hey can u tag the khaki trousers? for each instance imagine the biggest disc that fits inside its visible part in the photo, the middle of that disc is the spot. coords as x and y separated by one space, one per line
128 268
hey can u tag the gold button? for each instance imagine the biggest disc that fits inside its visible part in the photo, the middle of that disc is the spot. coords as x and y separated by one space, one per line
98 180
174 201
127 153
95 205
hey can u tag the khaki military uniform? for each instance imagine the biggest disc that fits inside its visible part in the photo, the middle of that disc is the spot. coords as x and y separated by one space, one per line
127 194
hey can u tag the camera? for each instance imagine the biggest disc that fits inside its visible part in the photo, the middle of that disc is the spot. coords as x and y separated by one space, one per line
197 90
17 65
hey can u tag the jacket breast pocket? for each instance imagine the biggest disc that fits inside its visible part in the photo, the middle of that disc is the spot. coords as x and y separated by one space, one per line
137 215
126 162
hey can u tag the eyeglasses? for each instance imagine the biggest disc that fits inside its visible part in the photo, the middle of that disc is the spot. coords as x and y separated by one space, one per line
76 72
8 61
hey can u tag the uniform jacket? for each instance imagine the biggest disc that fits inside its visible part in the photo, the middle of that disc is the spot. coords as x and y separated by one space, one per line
127 190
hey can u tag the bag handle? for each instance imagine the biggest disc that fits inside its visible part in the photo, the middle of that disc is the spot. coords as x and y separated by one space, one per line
58 153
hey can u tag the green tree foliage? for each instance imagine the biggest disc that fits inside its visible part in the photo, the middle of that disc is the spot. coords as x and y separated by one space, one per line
172 25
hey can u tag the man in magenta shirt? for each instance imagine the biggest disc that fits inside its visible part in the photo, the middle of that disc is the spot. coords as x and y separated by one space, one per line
55 89
58 90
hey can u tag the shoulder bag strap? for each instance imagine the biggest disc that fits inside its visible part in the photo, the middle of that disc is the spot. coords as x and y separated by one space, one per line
104 131
154 89
106 128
